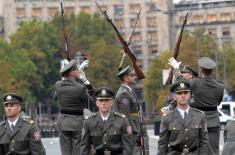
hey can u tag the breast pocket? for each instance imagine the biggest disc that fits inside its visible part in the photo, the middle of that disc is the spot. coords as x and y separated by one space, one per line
114 136
174 133
194 130
96 137
20 143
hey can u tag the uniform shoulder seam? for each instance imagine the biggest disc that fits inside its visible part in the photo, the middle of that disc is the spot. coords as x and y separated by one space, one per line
90 116
198 110
28 120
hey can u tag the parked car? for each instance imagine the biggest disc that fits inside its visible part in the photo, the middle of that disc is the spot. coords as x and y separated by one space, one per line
228 108
223 118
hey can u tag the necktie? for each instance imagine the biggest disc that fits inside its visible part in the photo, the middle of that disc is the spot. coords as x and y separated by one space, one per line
185 116
12 127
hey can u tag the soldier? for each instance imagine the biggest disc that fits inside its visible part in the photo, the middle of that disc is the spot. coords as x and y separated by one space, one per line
183 131
18 135
72 96
229 139
188 73
208 94
109 132
126 103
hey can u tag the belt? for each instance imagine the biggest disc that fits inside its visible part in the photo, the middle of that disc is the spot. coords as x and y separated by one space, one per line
185 150
135 114
207 108
71 112
104 152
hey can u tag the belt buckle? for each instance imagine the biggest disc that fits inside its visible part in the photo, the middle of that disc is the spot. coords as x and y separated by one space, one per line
185 150
106 152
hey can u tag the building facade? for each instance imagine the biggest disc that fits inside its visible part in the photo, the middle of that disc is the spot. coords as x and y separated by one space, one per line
216 16
150 37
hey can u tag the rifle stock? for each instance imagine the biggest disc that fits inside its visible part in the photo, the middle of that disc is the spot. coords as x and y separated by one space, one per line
177 48
127 50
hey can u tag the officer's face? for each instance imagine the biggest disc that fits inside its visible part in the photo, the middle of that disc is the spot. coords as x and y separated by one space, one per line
104 105
12 109
182 98
187 75
131 78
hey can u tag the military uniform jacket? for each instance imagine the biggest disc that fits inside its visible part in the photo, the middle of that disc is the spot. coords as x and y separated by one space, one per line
207 93
25 139
72 97
177 135
114 135
229 135
126 103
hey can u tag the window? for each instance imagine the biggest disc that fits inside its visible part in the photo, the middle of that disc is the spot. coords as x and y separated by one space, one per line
36 12
86 9
225 17
211 18
20 12
153 49
120 23
226 110
225 31
69 10
118 10
152 36
151 7
52 11
133 21
212 31
151 22
134 8
137 50
136 37
198 19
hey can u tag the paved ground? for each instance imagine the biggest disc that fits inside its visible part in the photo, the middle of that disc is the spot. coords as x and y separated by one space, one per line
53 148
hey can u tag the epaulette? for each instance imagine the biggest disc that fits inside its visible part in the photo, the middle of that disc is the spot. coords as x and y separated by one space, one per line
28 120
2 123
198 110
119 114
90 116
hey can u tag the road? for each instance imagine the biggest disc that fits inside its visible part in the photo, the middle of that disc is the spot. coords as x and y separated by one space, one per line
52 144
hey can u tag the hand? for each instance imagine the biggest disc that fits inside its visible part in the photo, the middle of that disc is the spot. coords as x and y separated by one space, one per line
174 63
82 76
84 65
63 63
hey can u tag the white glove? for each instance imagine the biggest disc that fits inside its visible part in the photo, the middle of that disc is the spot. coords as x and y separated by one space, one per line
82 76
84 65
63 63
174 63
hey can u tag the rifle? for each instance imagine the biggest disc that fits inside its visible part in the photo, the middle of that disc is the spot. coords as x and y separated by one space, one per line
127 50
177 47
129 41
141 131
66 43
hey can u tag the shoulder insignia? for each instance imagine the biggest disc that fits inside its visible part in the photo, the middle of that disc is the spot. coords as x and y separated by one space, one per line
198 110
167 113
119 114
90 116
28 120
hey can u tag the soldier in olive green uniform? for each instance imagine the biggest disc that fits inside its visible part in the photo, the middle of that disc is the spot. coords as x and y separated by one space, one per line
183 131
72 96
229 139
109 132
18 136
208 94
126 102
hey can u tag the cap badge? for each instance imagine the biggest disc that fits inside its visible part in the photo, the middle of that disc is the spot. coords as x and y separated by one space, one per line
9 97
103 92
182 85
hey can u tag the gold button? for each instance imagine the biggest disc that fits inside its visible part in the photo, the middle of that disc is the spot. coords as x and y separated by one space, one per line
13 140
105 134
186 129
185 145
105 142
186 138
114 132
196 126
173 128
12 149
